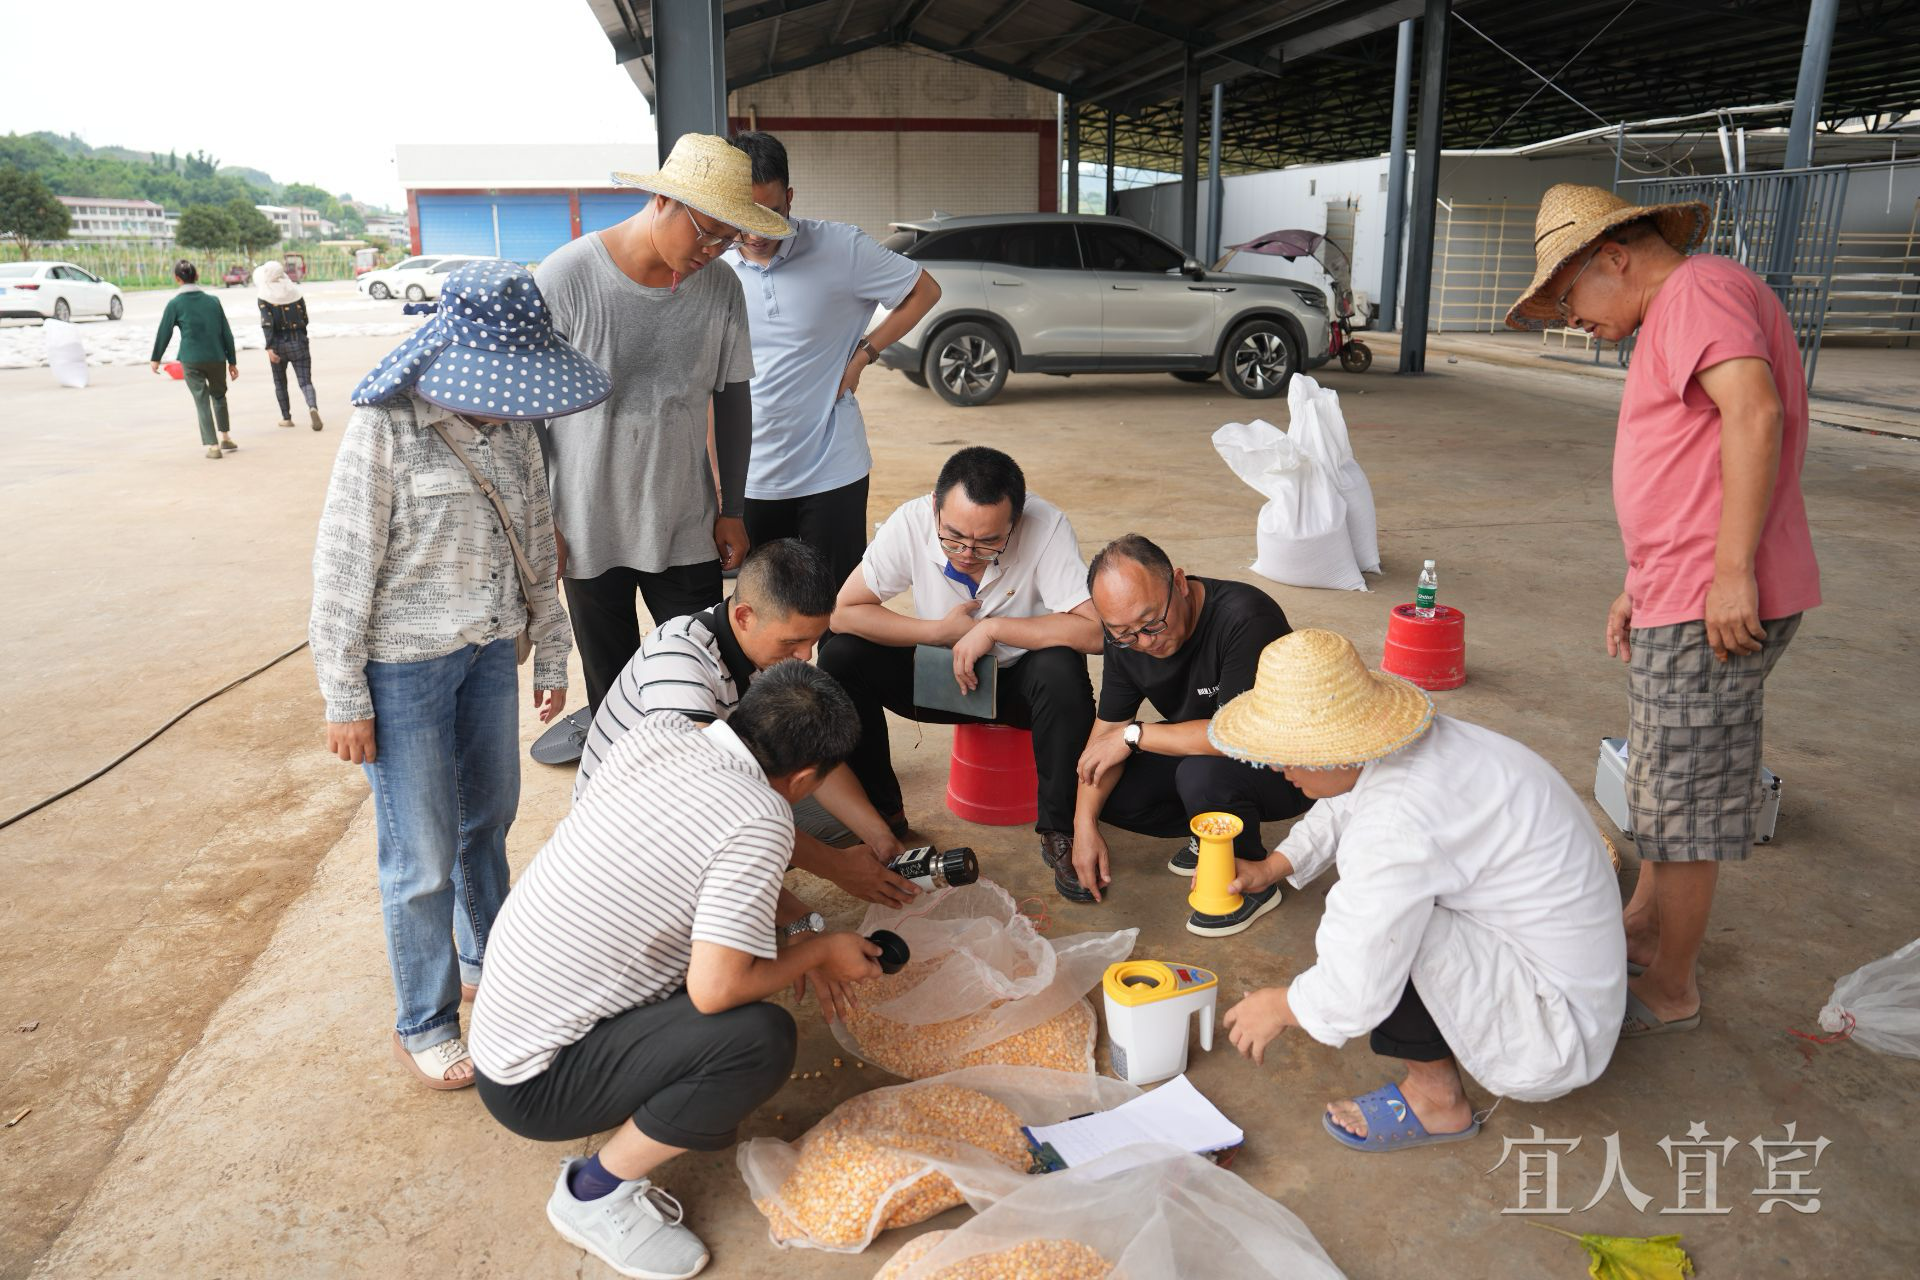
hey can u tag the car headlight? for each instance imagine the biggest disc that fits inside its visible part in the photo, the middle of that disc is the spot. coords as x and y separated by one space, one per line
1312 297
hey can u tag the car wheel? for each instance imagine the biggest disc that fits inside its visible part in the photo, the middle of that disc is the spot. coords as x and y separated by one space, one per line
416 294
1356 357
1194 375
114 309
916 377
1259 361
61 311
967 364
379 292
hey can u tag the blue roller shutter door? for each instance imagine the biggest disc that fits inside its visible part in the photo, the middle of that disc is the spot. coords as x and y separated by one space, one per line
604 209
528 228
456 224
531 227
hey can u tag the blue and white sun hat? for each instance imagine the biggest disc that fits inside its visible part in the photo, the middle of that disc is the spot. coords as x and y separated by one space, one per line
490 350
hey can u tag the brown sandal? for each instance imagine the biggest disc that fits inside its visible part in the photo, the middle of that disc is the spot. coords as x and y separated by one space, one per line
446 1055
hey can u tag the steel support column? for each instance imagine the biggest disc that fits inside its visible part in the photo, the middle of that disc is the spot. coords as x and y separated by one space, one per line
1216 181
689 68
1426 186
1073 158
1814 55
1109 207
1190 157
1396 180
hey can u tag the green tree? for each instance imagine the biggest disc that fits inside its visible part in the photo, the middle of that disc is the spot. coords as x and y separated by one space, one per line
204 226
29 211
252 230
201 165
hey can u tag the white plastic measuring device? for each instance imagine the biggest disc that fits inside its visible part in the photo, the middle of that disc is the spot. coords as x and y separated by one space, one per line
1150 1006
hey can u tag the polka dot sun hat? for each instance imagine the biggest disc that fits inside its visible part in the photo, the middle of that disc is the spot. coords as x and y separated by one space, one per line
490 350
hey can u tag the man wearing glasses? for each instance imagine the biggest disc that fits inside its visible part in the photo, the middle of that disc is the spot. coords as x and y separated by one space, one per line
633 492
992 570
1187 645
809 300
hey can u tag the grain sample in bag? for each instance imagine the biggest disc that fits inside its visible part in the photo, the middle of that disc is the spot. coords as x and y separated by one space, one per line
900 1155
1143 1213
983 988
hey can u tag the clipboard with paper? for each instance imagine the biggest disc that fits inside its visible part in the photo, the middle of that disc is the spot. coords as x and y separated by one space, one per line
935 688
1175 1114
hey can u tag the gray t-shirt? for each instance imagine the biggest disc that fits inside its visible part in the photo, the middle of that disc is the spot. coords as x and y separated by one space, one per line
631 484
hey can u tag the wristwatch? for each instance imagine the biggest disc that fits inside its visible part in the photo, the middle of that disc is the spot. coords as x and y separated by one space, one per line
812 922
1131 736
873 354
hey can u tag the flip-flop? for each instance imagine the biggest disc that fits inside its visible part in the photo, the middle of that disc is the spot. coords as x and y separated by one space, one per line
1641 1021
1391 1124
566 741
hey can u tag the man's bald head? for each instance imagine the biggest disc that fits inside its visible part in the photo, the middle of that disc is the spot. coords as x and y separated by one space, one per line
1134 584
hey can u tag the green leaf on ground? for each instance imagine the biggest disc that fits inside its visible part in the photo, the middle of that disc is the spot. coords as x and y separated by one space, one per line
1631 1257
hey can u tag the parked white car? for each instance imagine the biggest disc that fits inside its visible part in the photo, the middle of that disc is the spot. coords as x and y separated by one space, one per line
415 279
55 291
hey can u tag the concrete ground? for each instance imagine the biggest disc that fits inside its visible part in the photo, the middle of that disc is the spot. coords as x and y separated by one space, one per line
197 935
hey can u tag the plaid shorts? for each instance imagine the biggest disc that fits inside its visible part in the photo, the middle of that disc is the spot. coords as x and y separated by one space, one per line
1693 742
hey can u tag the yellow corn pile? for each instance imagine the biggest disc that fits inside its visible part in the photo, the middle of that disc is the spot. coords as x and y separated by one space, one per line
851 1161
910 1252
1030 1260
916 1052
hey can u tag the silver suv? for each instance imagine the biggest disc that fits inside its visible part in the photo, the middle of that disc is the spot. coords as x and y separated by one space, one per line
1071 293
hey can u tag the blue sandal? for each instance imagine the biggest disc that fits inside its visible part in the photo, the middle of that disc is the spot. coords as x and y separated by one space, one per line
1391 1124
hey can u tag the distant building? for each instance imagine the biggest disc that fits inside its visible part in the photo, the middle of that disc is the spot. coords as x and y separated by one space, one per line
519 202
297 222
101 218
391 229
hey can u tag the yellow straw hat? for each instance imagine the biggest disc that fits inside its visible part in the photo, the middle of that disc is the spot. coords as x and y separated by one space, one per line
715 177
1571 219
1314 705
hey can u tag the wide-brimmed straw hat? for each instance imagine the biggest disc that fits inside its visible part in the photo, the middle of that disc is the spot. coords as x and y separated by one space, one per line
271 283
1314 705
489 350
1570 220
715 177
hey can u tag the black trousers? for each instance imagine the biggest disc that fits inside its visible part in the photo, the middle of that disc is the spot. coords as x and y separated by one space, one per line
833 523
1047 692
683 1077
1409 1032
302 367
606 626
1159 795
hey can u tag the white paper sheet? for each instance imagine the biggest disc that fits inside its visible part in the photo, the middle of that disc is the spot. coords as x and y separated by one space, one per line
1176 1114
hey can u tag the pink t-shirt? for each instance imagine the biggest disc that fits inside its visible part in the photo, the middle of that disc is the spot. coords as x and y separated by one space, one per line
1666 458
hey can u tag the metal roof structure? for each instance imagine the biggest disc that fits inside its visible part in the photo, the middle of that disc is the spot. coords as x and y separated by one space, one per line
1312 80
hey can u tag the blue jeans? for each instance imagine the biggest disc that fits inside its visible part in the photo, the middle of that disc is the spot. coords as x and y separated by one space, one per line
446 784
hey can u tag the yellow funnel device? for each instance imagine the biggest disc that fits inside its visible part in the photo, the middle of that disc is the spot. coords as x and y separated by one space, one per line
1216 832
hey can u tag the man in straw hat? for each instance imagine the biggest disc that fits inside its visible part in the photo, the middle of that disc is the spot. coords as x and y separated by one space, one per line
633 493
1473 926
1720 564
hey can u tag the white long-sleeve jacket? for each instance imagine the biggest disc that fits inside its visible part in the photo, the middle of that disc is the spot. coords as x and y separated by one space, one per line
1468 865
411 562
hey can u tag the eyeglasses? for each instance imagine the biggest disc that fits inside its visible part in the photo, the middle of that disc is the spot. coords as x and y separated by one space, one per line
978 551
1124 638
708 239
1560 306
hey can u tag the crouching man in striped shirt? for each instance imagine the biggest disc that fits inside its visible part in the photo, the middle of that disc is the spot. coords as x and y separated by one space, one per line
628 972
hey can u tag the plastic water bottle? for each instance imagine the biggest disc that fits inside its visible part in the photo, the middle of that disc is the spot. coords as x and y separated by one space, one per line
1423 594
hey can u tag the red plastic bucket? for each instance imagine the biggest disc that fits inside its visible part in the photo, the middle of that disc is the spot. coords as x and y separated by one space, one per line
991 779
1431 652
175 370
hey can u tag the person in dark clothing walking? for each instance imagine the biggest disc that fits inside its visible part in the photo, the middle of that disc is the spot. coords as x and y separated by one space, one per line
205 340
283 321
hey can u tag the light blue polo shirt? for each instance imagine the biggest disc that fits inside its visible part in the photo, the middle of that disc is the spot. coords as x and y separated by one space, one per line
806 310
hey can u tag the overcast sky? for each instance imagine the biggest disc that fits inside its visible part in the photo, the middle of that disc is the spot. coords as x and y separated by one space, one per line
316 93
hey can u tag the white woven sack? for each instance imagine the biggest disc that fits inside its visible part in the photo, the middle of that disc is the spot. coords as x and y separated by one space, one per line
66 354
1301 537
1320 429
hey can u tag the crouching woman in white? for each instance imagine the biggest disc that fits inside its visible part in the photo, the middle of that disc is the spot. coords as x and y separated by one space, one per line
1476 925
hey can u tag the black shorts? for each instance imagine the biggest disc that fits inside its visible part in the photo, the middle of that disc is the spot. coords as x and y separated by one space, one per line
684 1078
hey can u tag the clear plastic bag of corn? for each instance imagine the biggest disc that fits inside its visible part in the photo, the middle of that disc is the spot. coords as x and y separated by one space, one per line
900 1155
1145 1213
983 988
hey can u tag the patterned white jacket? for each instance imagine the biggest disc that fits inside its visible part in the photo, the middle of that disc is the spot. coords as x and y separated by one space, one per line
411 562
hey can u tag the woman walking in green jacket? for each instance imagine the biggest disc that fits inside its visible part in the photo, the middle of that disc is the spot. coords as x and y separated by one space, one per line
205 340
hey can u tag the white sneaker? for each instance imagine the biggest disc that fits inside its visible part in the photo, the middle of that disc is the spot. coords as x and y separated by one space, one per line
635 1229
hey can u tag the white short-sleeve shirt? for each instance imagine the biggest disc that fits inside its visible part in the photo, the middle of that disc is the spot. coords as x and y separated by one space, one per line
1041 572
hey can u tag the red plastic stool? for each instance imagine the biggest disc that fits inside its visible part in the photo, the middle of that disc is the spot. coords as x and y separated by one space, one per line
1431 652
991 779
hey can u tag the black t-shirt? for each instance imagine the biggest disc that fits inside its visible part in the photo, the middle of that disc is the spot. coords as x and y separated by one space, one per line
1216 663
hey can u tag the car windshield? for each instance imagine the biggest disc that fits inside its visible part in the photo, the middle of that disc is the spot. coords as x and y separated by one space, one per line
17 270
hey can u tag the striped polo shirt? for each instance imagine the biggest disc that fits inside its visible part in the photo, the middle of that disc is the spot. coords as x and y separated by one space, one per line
681 840
691 664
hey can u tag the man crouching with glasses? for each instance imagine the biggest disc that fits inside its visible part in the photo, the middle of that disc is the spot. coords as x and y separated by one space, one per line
993 570
1188 646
